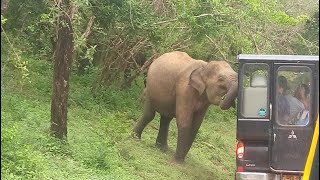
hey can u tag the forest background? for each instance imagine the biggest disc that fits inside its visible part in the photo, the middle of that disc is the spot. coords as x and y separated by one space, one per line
113 44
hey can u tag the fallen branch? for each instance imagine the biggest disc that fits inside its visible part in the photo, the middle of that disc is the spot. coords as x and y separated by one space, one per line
207 144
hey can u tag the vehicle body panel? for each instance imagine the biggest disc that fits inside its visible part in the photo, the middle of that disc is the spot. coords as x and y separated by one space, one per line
273 150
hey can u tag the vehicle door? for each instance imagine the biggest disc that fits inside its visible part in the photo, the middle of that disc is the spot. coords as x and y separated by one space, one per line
293 116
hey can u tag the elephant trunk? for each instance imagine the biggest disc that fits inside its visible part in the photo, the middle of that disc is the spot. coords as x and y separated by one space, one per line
229 98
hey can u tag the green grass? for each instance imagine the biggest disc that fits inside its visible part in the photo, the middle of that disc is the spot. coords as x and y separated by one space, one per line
99 144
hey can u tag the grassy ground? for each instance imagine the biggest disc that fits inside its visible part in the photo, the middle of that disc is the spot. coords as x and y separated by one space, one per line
99 144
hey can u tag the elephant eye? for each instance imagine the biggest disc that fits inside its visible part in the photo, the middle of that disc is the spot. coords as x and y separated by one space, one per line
220 78
223 88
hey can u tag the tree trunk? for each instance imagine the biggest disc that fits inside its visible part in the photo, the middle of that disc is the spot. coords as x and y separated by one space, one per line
62 65
4 6
4 9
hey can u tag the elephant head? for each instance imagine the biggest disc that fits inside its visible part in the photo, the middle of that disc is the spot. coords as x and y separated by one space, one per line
218 80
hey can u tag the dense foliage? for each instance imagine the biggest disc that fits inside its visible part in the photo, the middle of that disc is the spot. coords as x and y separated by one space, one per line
113 39
126 33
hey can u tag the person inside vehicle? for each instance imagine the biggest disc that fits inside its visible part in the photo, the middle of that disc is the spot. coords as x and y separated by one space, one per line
302 94
289 107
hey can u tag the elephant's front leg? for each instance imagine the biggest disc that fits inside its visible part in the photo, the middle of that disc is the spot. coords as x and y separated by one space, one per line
184 124
197 121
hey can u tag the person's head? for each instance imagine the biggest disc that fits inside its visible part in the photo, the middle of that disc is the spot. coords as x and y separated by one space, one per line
282 85
302 91
306 89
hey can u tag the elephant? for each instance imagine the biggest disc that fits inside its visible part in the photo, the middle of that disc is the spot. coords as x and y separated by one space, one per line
181 87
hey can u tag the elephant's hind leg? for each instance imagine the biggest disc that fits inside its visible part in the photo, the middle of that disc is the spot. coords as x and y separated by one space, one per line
162 142
148 115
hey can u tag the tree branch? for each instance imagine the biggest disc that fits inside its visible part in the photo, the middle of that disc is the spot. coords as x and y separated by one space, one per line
175 19
213 42
88 29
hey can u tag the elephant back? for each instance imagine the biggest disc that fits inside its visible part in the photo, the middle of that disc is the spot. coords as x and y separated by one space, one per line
165 69
163 74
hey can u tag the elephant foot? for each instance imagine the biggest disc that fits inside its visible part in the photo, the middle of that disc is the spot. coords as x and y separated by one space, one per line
162 147
178 160
136 135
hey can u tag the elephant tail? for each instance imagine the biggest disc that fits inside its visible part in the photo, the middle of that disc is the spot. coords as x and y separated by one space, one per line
145 80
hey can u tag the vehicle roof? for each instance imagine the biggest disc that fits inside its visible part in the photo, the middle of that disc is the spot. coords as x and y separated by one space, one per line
277 57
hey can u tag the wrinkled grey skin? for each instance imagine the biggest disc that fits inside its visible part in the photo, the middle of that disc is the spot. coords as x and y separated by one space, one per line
181 87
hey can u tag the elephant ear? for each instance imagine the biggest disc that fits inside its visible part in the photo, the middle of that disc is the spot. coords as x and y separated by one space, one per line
196 80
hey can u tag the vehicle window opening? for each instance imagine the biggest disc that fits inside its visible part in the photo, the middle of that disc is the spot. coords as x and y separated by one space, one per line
255 90
293 95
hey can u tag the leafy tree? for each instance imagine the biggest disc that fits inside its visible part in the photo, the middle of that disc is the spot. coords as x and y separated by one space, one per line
110 35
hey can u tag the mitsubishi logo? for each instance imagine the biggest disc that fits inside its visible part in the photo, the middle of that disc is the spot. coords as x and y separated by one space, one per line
292 135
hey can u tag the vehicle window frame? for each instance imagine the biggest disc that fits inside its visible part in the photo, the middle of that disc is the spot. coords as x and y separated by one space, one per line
310 70
241 85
